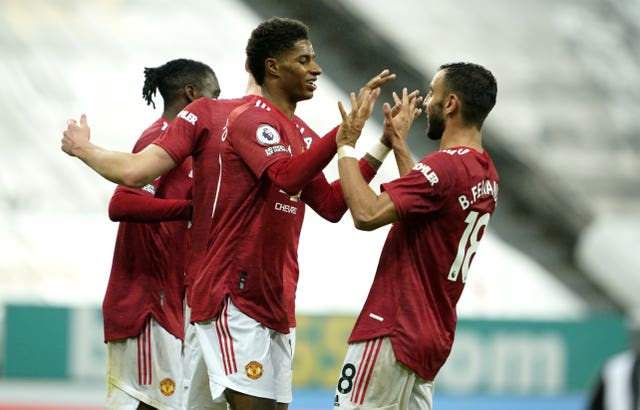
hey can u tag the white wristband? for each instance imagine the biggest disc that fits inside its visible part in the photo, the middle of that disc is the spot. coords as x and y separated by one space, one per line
347 151
379 151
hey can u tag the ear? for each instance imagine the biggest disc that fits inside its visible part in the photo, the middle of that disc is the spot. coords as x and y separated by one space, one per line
451 105
191 92
271 67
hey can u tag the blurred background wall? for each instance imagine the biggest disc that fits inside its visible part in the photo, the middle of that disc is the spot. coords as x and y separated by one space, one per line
553 281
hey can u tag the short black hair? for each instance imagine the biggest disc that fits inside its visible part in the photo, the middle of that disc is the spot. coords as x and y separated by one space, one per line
171 77
270 39
475 86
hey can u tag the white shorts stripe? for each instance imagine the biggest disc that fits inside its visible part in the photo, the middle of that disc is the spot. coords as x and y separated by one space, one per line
365 370
144 355
139 358
372 378
146 368
255 361
226 341
149 354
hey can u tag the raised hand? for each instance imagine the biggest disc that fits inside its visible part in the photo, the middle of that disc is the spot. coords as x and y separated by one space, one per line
398 119
361 108
75 136
375 83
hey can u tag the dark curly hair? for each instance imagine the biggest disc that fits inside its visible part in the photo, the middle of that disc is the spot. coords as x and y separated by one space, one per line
271 38
171 77
475 86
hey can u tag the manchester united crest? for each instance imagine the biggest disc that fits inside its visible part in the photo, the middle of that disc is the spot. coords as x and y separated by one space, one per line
254 370
167 387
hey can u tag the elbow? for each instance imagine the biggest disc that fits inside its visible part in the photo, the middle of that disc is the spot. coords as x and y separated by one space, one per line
334 218
118 205
133 179
363 226
364 223
135 182
333 214
118 209
115 212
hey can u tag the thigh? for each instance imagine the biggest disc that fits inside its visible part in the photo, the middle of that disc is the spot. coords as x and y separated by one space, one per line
371 378
421 395
241 354
148 368
191 355
282 358
117 399
198 394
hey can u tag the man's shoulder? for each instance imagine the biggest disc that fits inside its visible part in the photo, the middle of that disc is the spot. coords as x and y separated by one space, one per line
218 104
450 157
211 112
156 128
255 110
150 134
235 102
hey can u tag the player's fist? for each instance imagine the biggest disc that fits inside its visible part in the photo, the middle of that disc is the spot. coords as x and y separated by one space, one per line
76 135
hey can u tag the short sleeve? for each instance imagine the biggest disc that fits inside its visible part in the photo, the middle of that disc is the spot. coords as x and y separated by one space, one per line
188 131
424 189
258 140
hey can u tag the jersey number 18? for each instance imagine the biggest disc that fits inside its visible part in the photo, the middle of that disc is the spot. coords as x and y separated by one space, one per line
468 245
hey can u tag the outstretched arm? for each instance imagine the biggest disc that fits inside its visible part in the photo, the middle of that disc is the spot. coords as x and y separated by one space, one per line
123 168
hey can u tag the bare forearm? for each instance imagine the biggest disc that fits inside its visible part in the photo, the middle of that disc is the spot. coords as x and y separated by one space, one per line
368 210
404 160
111 165
123 168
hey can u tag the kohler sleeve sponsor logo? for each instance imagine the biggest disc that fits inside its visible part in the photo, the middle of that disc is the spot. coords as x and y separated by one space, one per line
428 173
189 117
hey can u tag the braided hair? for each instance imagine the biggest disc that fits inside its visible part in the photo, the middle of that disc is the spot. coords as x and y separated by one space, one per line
171 77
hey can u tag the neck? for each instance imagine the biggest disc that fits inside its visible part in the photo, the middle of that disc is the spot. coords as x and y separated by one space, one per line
278 99
169 115
462 137
171 111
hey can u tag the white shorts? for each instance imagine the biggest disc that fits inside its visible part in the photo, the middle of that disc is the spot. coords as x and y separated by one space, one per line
147 369
372 378
243 355
196 379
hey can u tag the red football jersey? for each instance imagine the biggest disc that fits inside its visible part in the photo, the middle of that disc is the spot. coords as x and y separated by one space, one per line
256 224
444 205
149 259
196 132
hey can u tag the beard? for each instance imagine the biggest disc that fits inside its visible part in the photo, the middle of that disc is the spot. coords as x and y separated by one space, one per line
435 125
